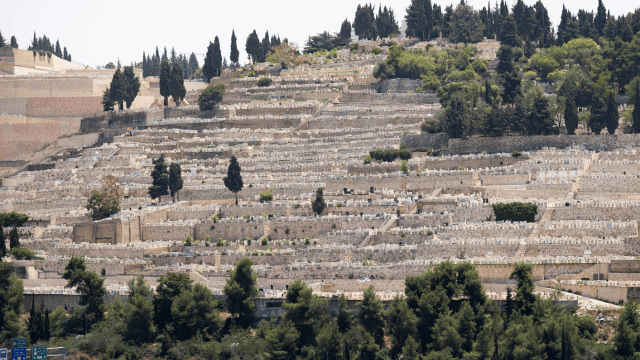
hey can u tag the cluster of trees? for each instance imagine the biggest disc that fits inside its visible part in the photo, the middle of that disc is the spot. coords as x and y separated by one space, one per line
601 24
325 41
515 211
123 89
3 42
445 314
369 26
14 239
165 179
44 44
259 50
213 61
152 65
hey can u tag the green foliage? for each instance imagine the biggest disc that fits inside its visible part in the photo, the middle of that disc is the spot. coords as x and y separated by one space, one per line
132 86
404 167
21 253
195 311
107 102
375 51
176 84
105 202
211 96
240 289
89 285
168 289
138 313
160 175
402 323
404 64
456 119
516 153
266 195
390 155
465 25
515 211
175 180
233 180
263 82
13 218
367 160
431 126
305 311
212 66
319 204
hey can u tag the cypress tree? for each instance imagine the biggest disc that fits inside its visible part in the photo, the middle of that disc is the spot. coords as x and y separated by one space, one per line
570 116
58 49
165 73
266 45
65 54
3 43
235 54
416 20
253 46
345 30
598 119
3 245
107 102
176 84
14 42
636 109
319 204
174 59
428 17
117 88
14 238
145 67
193 64
601 19
455 118
164 55
508 33
613 116
132 86
208 71
217 57
47 326
160 177
539 120
233 180
175 180
509 76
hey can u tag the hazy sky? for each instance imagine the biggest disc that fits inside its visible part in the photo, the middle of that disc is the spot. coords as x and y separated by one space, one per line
97 32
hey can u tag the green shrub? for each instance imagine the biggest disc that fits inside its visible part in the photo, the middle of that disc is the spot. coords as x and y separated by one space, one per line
429 232
249 241
264 82
267 195
404 167
215 218
251 74
367 160
306 241
264 241
333 226
375 51
431 126
353 47
516 153
187 241
389 155
247 217
515 211
219 243
339 205
211 96
21 253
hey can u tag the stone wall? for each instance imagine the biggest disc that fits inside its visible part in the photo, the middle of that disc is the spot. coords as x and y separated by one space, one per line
387 99
395 86
45 86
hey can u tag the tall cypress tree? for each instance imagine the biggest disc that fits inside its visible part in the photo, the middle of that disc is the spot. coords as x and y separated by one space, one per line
176 84
145 66
253 46
428 17
118 88
58 49
235 54
208 71
14 42
266 45
175 180
132 86
193 64
165 73
636 109
345 30
233 180
613 116
416 20
3 245
14 238
3 43
601 19
508 33
570 116
509 75
217 57
160 177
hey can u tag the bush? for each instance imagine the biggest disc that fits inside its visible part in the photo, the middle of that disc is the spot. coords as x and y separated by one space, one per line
266 195
429 232
247 217
21 253
353 47
187 241
404 167
306 241
219 243
375 51
367 160
516 153
431 126
211 96
249 241
515 211
338 205
264 241
390 155
263 82
251 74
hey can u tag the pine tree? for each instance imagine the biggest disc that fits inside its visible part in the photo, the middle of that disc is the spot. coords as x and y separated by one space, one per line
175 180
235 54
372 315
402 323
193 64
344 318
319 204
233 180
160 185
217 57
345 30
613 116
239 290
635 115
14 42
132 86
107 102
165 74
176 84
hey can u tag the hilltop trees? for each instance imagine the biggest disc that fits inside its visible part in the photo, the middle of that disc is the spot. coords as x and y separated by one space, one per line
132 86
176 84
165 76
235 54
14 42
213 61
90 286
253 47
233 180
345 30
124 88
44 44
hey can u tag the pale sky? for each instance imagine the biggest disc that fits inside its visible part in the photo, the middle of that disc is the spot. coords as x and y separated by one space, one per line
97 32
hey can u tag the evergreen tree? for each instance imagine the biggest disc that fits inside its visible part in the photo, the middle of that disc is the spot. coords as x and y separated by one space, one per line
416 20
175 180
613 116
89 285
164 55
176 84
58 49
208 69
233 180
253 46
508 33
635 115
306 311
402 324
368 349
372 315
363 22
107 102
281 342
240 290
138 313
509 76
465 25
168 289
598 119
330 341
410 350
160 185
174 58
344 318
568 27
195 311
14 238
3 43
118 88
132 86
65 54
319 204
145 66
3 244
14 42
345 30
455 118
539 121
235 54
193 65
216 61
571 119
266 46
165 76
600 19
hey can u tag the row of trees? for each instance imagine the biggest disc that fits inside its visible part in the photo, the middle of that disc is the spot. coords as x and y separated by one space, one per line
13 42
44 44
123 89
369 26
445 314
258 50
165 178
152 65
